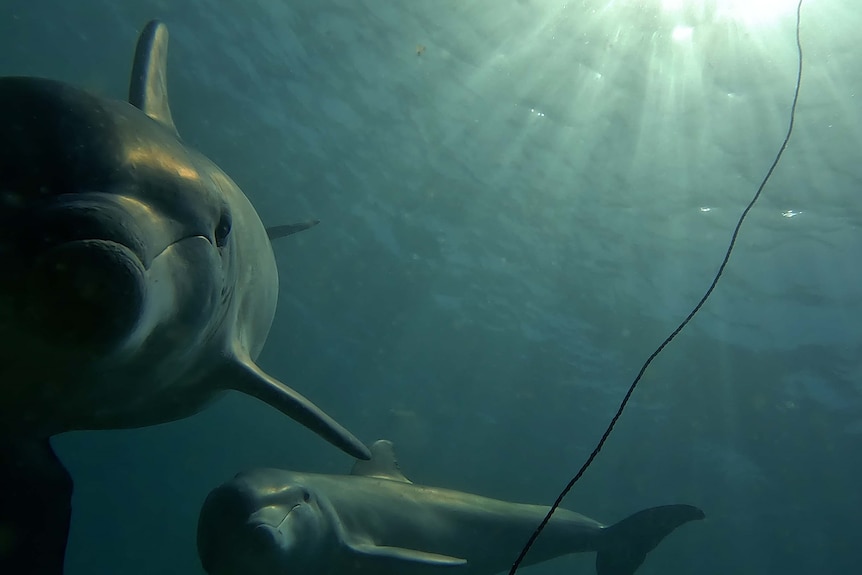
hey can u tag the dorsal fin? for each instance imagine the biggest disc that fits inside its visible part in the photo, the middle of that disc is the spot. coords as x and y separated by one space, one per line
148 88
383 464
275 232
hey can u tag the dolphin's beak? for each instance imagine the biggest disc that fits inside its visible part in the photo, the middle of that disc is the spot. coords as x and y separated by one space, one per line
263 538
266 536
109 217
79 277
85 294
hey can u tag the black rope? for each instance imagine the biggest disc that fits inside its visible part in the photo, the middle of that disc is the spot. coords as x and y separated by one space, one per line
684 322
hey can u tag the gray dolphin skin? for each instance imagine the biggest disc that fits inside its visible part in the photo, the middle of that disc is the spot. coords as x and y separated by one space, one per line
377 522
138 284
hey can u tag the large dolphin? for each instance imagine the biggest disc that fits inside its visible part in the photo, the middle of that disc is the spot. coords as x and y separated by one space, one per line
137 283
377 522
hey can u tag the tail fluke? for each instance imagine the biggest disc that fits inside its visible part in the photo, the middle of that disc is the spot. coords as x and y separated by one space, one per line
626 544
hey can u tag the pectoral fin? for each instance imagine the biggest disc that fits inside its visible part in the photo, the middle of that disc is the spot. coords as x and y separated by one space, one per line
399 554
275 232
248 378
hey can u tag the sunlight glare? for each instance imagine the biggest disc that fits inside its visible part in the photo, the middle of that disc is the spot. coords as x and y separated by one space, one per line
748 11
682 33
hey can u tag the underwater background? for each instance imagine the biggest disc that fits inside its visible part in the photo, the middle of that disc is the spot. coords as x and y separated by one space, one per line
519 200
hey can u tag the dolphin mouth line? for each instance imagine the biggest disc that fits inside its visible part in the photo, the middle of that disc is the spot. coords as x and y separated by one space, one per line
169 246
286 515
144 260
103 217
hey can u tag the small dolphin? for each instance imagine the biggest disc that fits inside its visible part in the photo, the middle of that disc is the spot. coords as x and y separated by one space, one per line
377 522
137 283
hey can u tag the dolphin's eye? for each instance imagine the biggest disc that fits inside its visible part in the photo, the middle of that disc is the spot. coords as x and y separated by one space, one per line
222 230
306 496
